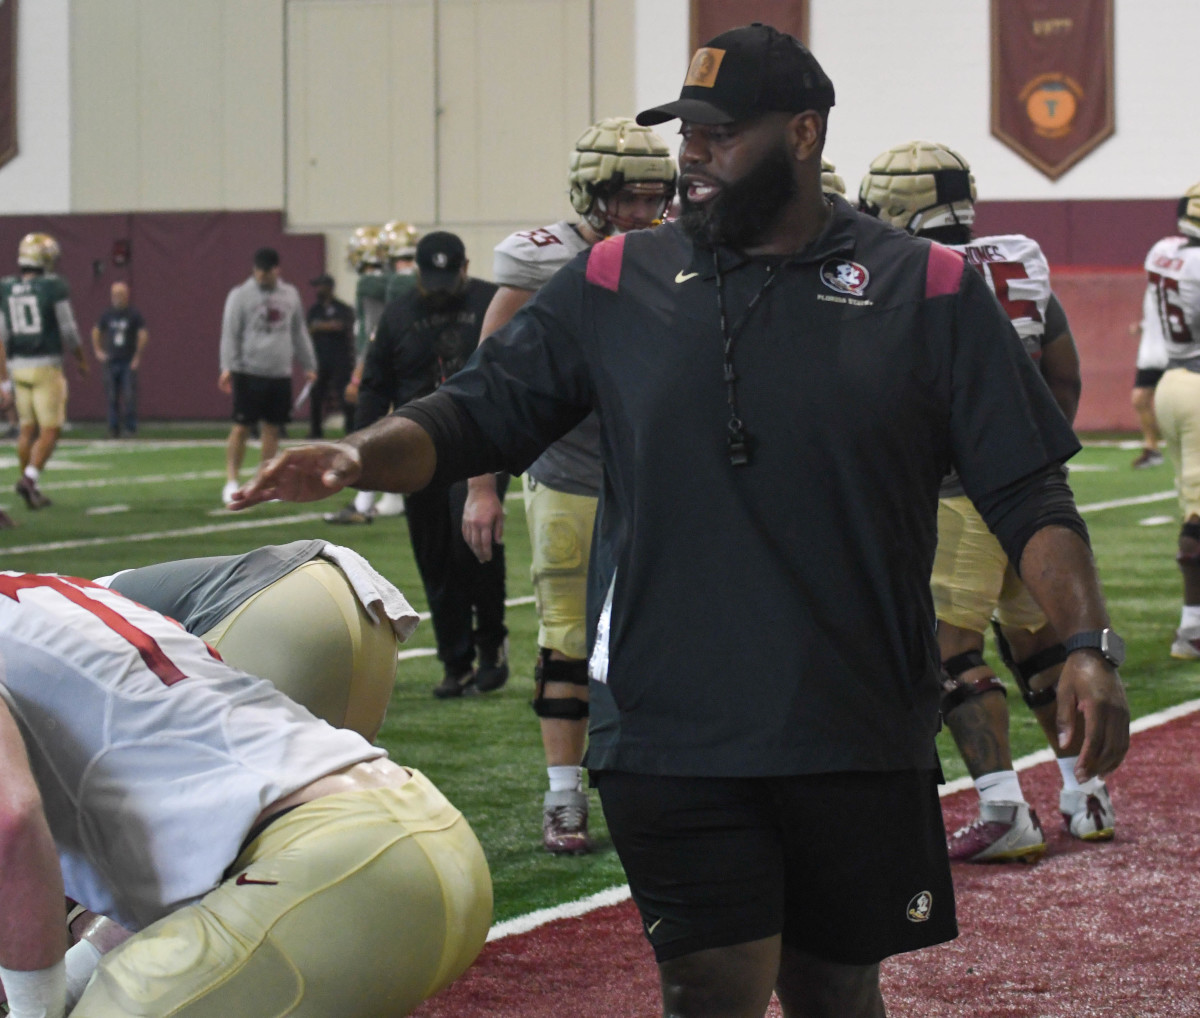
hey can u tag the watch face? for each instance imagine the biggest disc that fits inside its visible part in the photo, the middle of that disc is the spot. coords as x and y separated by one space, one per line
1113 647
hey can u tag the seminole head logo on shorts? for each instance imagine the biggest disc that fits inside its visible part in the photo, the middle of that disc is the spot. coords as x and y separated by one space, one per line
845 276
920 907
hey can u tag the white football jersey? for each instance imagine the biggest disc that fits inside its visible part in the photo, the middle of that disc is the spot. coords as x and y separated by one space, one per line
1019 275
528 259
1173 270
153 757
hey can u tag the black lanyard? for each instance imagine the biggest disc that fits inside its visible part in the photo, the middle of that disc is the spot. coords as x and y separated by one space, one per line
737 437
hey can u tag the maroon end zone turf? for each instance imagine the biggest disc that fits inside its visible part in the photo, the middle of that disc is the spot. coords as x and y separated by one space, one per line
1109 929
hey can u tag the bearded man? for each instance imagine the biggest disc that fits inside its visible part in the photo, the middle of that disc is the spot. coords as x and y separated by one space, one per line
781 383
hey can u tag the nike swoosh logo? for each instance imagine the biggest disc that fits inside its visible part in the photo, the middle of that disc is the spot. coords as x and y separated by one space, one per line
653 926
243 880
683 277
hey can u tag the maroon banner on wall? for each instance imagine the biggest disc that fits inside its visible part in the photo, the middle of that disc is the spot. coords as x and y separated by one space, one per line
710 18
8 80
1052 79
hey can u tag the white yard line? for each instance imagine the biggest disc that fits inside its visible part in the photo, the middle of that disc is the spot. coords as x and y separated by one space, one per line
1120 503
215 528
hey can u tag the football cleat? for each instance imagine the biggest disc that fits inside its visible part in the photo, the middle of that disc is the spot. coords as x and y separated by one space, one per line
1003 832
1148 458
615 154
38 251
917 186
564 823
455 683
32 494
1089 816
349 515
492 672
1186 647
6 521
390 504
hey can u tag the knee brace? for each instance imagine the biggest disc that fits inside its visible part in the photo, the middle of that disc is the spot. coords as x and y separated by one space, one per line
1189 543
1023 671
565 708
955 691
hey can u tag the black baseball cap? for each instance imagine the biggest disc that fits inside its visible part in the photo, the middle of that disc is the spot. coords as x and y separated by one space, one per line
440 258
746 72
324 279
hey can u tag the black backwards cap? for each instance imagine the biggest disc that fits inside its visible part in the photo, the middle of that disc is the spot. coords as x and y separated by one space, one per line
743 73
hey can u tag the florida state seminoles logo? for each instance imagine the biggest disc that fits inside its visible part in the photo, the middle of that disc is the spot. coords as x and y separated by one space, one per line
845 277
920 907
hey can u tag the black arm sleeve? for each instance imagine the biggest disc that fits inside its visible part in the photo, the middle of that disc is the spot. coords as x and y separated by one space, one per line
1019 510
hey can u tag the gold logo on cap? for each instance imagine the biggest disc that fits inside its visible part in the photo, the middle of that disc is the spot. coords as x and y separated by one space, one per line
705 64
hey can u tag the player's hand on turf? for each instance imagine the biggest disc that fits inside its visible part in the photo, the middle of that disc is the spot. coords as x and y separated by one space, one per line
483 517
1090 690
304 474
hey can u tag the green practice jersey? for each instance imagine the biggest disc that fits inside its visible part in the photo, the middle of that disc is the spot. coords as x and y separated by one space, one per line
28 307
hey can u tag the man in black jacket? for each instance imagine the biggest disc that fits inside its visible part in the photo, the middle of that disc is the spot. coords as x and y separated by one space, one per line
423 337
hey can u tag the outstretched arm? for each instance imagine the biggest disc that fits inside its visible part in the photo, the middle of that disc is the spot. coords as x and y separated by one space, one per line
393 454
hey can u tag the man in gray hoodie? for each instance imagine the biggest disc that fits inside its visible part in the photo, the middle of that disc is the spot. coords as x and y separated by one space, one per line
262 332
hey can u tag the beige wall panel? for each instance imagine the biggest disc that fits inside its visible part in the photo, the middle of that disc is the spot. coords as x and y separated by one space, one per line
514 94
360 111
615 49
251 121
104 105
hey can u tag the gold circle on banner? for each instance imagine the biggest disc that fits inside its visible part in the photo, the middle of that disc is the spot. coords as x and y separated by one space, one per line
1051 107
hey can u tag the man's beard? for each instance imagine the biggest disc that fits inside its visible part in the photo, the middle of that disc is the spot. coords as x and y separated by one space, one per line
745 209
441 300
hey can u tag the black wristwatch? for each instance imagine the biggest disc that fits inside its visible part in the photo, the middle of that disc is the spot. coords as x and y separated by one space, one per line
1110 645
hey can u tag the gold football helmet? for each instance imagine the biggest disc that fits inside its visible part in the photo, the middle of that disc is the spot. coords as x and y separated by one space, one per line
1189 212
399 239
918 186
38 251
831 181
615 154
364 249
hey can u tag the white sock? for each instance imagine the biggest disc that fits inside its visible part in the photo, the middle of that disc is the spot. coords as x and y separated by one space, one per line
1066 766
363 501
999 786
1190 618
565 779
33 473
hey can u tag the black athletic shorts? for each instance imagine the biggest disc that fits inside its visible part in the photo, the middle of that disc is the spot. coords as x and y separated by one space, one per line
257 398
851 868
1148 378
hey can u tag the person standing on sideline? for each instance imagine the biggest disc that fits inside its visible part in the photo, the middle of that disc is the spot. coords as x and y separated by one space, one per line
781 384
1151 362
37 326
118 339
1173 269
262 332
423 338
331 326
621 178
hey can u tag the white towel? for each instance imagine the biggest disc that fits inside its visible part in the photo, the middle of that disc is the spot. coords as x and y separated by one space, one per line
377 595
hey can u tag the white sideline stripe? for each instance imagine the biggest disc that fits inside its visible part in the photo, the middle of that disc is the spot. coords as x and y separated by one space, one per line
1046 755
616 895
1120 503
569 910
404 655
95 542
109 482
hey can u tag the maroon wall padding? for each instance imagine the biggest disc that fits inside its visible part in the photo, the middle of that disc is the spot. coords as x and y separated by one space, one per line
1104 307
181 267
1116 233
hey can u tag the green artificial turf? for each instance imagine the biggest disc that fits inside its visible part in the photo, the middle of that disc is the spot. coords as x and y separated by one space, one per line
135 502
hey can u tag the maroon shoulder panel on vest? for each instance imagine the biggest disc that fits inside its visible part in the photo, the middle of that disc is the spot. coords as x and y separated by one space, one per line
604 262
944 271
